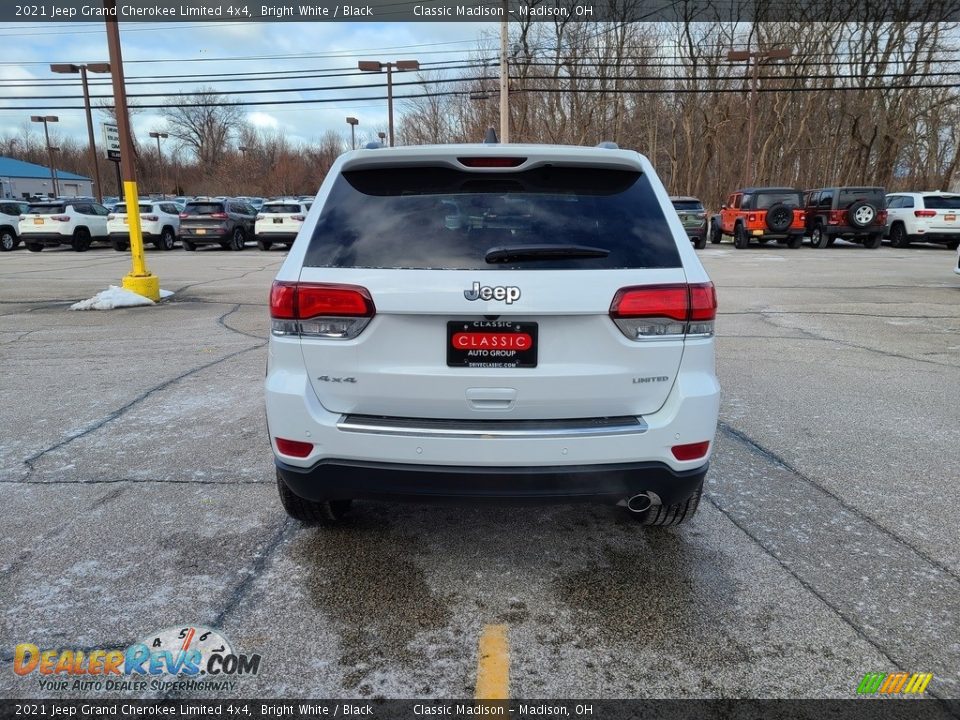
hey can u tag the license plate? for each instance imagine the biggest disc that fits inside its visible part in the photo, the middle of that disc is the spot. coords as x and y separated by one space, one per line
201 231
38 221
126 222
491 344
950 218
277 221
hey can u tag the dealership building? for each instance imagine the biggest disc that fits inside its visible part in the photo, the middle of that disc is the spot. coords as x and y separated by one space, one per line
21 180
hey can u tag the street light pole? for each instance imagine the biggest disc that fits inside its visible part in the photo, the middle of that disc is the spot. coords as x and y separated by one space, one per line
756 56
377 66
140 280
352 122
163 184
82 69
46 134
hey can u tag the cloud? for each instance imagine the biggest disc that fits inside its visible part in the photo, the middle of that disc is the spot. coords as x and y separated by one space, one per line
263 120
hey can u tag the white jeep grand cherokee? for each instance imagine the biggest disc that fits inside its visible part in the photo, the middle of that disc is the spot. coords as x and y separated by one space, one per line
492 321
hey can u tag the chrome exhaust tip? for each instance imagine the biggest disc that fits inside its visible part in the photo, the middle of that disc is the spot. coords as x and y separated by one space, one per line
640 503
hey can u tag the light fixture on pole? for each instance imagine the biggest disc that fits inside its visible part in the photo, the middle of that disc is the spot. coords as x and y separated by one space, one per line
70 68
382 135
46 133
163 184
756 56
377 66
353 122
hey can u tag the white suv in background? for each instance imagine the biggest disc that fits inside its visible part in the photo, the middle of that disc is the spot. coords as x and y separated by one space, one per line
10 212
279 221
63 222
480 321
159 224
923 217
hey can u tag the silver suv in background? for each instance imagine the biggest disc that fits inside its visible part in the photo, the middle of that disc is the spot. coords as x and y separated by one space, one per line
216 221
481 321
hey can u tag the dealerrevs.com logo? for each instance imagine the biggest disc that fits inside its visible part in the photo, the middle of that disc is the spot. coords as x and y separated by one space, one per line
182 658
898 683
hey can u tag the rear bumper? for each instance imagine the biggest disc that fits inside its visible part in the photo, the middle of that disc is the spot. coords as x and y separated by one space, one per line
147 236
696 232
848 231
284 237
334 479
208 238
938 235
46 238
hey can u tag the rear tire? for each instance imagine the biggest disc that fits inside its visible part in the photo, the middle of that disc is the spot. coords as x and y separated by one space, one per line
187 245
34 247
740 238
120 245
167 239
669 515
715 235
8 240
818 237
872 241
322 512
701 242
264 244
898 236
795 241
953 244
238 240
81 240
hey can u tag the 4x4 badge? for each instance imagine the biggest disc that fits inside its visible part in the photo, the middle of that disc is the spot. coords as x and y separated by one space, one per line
509 293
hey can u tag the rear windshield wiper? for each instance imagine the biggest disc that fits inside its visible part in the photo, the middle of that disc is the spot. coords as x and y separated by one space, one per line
541 252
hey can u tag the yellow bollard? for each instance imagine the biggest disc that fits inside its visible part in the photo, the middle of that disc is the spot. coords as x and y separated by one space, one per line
141 280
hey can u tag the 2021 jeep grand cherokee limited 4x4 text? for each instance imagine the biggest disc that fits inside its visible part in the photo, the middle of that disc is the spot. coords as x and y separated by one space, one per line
762 214
518 321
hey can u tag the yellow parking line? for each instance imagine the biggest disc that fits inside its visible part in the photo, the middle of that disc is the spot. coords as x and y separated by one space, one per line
493 664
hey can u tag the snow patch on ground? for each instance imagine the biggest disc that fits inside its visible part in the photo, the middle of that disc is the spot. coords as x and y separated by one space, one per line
116 297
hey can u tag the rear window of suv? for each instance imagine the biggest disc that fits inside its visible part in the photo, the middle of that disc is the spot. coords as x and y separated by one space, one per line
122 208
687 205
291 209
203 208
766 200
848 196
48 209
443 218
941 202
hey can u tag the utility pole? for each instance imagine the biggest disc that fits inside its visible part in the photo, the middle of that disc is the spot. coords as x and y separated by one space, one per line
140 280
504 78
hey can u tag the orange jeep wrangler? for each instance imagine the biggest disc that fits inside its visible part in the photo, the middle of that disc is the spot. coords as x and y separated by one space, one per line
761 214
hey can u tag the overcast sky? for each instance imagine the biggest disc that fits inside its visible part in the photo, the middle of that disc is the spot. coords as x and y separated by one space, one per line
185 49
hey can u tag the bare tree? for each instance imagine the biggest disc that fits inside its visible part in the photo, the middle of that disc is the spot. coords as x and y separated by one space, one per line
203 123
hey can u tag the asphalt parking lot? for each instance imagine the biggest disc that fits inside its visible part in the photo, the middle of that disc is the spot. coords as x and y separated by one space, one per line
138 494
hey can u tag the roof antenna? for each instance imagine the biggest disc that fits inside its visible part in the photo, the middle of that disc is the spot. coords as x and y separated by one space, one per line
491 137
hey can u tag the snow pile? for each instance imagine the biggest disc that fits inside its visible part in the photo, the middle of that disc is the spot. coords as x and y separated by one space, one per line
116 297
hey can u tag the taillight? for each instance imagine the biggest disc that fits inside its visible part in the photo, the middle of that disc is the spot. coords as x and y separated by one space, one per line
60 218
882 217
751 217
219 216
925 213
149 218
654 311
690 451
298 218
111 216
293 448
836 217
259 217
320 310
183 216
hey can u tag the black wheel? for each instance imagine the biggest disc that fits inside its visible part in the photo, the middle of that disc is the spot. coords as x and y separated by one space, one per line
167 239
34 247
953 244
819 238
715 235
264 244
323 512
700 242
81 240
238 240
667 515
795 241
861 214
187 245
779 217
740 237
872 241
8 240
120 245
898 236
